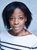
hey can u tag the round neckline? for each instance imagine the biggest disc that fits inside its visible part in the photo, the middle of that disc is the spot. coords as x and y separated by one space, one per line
19 36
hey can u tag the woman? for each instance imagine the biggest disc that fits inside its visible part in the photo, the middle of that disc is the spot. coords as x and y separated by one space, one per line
17 18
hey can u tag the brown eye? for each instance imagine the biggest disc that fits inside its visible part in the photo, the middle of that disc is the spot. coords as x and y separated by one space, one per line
10 18
21 18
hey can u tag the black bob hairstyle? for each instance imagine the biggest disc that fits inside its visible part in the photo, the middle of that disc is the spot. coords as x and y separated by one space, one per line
9 9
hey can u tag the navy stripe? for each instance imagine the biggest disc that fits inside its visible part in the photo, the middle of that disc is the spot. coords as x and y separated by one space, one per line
19 45
1 49
10 47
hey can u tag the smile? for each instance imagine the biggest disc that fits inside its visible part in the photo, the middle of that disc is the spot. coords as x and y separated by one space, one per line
17 28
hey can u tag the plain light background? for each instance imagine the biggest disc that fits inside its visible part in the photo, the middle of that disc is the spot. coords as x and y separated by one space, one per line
31 4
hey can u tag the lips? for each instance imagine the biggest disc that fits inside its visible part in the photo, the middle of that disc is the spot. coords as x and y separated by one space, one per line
16 28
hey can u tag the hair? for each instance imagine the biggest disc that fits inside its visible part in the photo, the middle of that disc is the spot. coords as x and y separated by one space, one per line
9 9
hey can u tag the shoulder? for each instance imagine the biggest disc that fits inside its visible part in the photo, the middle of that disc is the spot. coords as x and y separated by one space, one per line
32 39
4 35
32 36
35 40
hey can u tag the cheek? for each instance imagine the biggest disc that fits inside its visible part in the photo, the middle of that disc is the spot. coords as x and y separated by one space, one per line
22 22
11 23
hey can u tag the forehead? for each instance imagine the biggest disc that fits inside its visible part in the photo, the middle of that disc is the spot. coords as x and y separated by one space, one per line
18 11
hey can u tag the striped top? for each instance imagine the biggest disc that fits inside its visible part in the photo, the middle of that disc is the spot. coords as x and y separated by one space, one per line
10 42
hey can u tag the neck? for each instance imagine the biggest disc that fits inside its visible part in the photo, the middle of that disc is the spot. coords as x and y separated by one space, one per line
22 33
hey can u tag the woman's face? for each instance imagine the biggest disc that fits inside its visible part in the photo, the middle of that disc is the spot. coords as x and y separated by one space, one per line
17 20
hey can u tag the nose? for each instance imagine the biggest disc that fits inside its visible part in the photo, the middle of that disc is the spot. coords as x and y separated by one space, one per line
16 22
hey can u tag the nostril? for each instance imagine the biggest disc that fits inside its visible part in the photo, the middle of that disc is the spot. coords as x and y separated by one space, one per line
16 22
